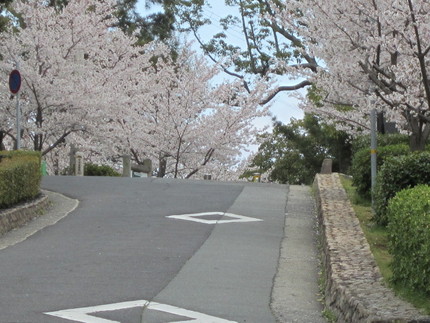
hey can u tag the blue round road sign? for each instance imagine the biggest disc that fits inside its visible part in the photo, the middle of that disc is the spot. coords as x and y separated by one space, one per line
14 81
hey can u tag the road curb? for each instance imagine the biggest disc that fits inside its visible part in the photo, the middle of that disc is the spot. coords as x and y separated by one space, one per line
20 222
15 217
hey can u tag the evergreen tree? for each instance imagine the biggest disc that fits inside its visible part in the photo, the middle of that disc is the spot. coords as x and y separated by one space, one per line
158 25
294 153
3 19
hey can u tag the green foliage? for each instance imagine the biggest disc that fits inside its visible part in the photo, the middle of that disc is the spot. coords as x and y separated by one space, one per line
409 233
363 142
294 153
4 20
58 4
378 238
360 168
20 177
396 174
155 26
97 170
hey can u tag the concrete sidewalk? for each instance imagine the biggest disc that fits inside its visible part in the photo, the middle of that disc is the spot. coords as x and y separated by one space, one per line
295 293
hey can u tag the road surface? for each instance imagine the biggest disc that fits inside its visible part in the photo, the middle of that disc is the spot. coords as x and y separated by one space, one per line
154 250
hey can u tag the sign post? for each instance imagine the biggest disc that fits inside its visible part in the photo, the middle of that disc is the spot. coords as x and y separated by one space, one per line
14 86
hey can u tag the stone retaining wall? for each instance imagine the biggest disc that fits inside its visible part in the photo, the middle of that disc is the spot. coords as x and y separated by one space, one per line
354 285
13 218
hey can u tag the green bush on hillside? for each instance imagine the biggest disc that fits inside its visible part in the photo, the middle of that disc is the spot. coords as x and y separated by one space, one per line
409 234
97 170
396 174
360 168
20 176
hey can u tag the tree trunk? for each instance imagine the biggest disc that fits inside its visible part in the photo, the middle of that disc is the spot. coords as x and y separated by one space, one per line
37 141
420 131
417 142
2 136
162 165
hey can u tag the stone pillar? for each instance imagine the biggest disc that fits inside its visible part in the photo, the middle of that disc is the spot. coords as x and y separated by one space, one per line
79 164
126 166
73 151
327 165
148 166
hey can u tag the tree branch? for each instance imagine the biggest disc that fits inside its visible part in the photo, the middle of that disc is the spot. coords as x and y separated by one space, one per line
285 88
202 45
59 141
208 156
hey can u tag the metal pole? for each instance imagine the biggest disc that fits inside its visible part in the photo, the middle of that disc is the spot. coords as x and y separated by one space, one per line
18 118
373 146
18 128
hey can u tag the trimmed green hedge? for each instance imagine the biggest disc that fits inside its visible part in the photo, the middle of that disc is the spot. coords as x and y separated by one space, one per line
360 168
396 174
409 234
20 176
97 170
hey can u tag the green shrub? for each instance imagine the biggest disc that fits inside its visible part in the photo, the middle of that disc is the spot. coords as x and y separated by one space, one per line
20 177
97 170
396 174
363 142
360 168
409 234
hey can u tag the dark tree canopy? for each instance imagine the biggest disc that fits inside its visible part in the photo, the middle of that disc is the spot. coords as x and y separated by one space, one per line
294 153
158 26
3 19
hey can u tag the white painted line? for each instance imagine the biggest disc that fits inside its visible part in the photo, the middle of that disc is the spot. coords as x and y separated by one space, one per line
83 314
195 317
195 218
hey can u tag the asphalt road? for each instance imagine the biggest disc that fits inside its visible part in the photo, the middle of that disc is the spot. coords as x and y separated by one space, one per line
120 256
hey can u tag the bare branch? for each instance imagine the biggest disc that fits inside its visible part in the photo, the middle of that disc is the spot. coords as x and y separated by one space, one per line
225 70
285 88
59 141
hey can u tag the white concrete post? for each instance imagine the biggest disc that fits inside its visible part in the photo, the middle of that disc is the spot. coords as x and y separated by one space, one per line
79 164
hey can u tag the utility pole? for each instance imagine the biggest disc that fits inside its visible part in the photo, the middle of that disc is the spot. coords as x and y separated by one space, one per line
373 146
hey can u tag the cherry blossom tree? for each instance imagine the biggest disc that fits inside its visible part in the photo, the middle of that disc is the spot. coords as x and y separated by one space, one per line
358 54
86 83
188 121
75 67
371 54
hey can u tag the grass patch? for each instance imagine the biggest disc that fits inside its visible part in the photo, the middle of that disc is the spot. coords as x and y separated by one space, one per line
377 237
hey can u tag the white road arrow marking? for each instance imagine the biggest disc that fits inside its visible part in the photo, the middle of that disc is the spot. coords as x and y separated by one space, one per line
83 314
234 218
